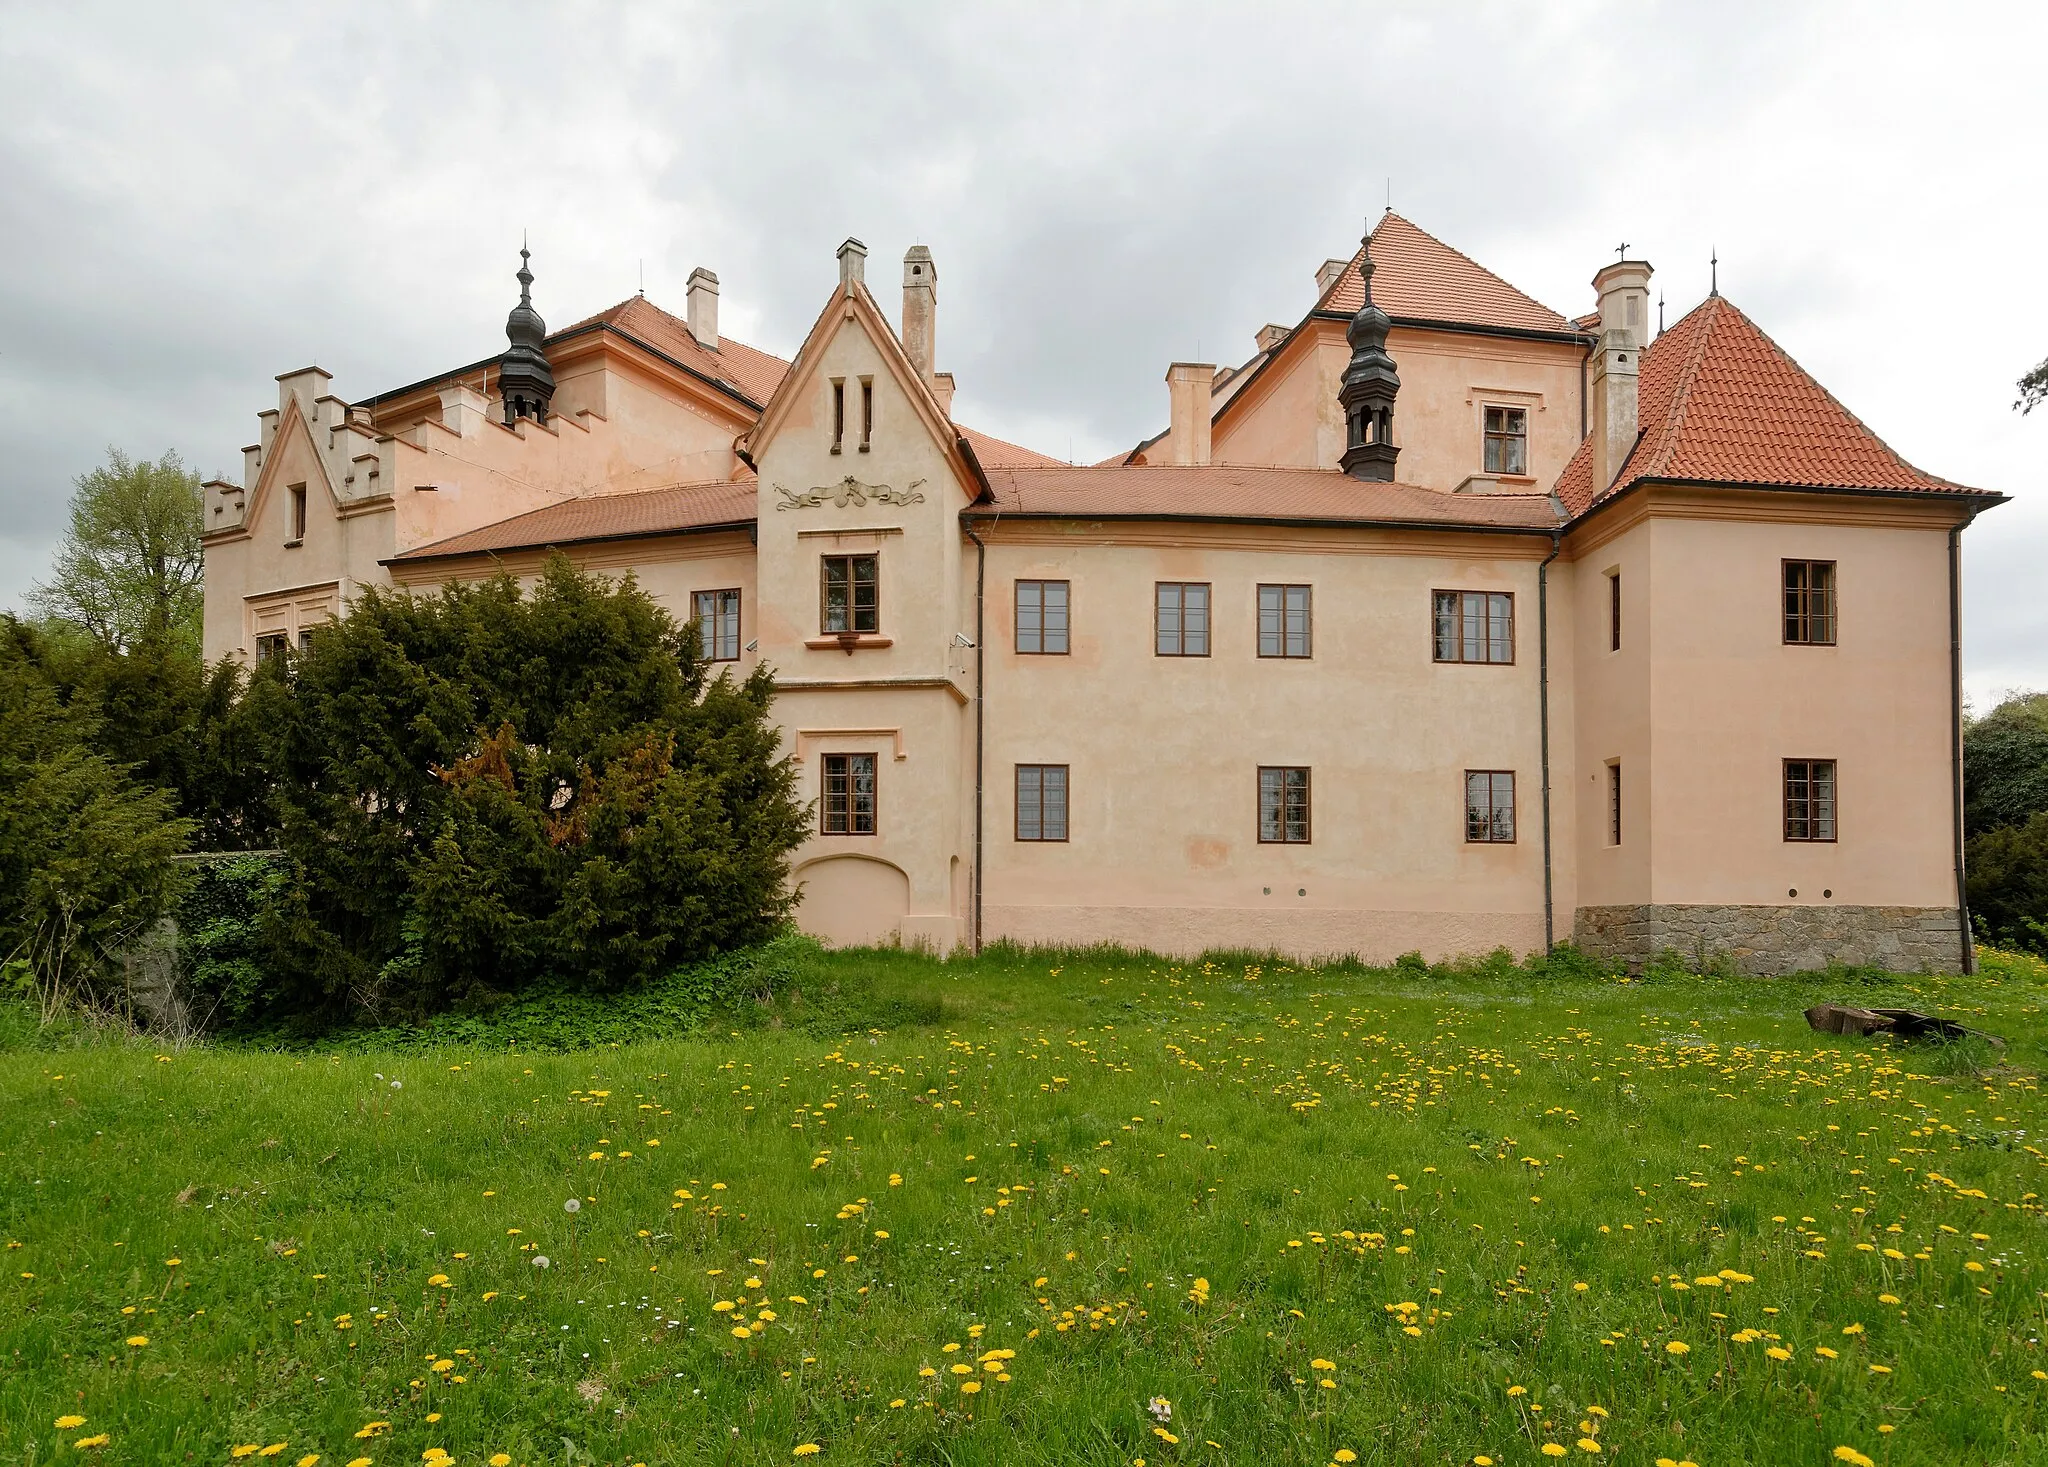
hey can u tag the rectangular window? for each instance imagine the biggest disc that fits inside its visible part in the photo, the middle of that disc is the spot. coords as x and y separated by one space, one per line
1181 628
1041 802
1283 621
1283 806
1614 611
838 412
1614 803
1489 806
1809 799
298 505
1810 603
1475 626
850 592
1042 618
718 624
867 411
270 645
849 805
1507 440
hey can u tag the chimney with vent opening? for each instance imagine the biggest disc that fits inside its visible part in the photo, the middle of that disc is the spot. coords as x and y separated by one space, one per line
703 309
920 309
1624 292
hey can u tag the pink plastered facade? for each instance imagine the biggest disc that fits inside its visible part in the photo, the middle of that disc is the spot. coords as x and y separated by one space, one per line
1297 786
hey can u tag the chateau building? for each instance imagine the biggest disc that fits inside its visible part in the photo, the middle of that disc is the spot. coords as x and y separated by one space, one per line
1444 622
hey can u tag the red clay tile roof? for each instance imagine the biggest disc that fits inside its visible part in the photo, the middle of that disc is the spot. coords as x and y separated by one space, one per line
995 453
750 372
1720 402
1419 277
1231 491
604 517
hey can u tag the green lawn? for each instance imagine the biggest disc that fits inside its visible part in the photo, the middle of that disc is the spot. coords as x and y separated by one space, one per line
1414 1219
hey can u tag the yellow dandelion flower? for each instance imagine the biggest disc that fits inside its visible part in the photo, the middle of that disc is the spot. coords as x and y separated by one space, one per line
1552 1449
1587 1444
808 1449
1677 1347
138 1341
65 1423
1320 1364
1778 1352
311 1459
87 1443
970 1387
897 1404
1344 1454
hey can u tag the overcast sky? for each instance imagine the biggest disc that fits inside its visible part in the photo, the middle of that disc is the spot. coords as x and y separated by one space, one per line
194 198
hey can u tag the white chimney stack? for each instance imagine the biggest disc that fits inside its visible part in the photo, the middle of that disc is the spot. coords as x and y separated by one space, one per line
1327 275
1189 387
703 310
942 389
1624 292
920 308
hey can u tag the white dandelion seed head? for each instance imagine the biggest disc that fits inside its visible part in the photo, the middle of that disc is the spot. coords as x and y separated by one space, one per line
540 1260
572 1205
1161 1408
398 1084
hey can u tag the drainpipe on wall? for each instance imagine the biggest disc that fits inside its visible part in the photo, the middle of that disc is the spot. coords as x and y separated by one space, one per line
980 667
1543 700
1955 677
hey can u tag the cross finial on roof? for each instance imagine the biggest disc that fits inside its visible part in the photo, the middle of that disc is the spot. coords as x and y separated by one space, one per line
1621 251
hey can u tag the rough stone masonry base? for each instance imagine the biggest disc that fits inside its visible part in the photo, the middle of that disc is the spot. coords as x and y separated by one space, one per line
1762 941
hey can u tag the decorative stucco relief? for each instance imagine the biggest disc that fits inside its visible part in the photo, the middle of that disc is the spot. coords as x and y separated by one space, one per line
849 491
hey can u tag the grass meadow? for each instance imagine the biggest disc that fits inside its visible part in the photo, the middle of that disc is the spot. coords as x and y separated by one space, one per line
1104 1210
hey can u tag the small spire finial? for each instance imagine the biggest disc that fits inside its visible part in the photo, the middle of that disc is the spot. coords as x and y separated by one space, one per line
525 275
1714 273
1365 264
1660 313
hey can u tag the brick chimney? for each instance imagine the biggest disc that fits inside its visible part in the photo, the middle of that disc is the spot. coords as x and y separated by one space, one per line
703 309
920 308
1189 386
1624 292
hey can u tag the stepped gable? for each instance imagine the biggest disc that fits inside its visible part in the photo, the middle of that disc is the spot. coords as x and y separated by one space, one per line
1417 277
746 370
720 504
1722 403
1240 492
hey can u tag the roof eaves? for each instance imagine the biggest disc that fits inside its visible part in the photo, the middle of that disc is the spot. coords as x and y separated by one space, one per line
1290 521
427 553
1988 498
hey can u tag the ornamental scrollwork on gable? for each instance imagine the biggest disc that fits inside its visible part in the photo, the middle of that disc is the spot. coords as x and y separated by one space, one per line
849 491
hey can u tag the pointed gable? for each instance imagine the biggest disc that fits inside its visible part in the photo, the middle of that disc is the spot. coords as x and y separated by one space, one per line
1722 403
1417 277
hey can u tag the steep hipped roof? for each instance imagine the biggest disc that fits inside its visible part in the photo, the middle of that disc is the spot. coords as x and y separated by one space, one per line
750 372
1416 276
1231 491
1720 402
674 510
995 453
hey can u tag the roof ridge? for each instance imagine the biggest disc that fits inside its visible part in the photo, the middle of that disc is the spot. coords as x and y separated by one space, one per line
1681 395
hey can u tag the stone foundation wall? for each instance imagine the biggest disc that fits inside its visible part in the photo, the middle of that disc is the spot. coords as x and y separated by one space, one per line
1763 941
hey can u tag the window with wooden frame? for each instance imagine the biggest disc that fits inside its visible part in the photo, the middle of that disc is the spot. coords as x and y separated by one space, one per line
1283 621
1614 803
1475 626
1042 802
849 594
1614 611
1810 603
849 787
867 411
1042 618
1810 799
1490 806
1507 440
1181 621
718 624
297 494
271 645
1283 805
838 413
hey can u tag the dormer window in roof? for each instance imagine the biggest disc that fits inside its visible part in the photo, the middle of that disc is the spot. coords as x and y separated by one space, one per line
1370 384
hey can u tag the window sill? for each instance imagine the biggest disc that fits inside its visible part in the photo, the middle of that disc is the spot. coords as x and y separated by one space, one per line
848 642
293 544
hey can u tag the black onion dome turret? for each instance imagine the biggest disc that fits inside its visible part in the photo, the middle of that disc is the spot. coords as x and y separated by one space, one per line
525 381
1369 387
